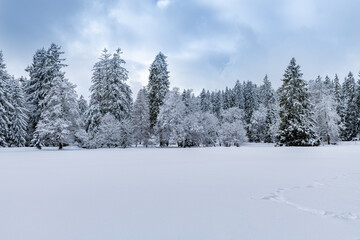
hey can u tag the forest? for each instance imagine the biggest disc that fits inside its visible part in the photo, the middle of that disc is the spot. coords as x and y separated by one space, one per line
43 109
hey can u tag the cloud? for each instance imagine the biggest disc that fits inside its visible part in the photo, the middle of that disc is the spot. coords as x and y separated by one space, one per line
162 3
209 43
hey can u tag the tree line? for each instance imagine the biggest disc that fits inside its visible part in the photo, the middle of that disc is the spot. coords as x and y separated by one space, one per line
44 109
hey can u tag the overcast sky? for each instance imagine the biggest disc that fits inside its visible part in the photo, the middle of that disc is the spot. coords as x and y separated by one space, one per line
209 43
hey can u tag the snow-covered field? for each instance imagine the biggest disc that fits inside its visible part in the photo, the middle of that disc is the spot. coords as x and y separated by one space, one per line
251 192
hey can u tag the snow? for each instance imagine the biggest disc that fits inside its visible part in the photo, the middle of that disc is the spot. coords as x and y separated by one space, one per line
252 192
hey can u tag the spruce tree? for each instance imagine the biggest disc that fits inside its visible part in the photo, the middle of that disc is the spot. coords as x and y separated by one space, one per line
83 106
109 91
5 104
268 100
297 123
46 66
238 93
205 101
140 118
351 116
158 86
18 115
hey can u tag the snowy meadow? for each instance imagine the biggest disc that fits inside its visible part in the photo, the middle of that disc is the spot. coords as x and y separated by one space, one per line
252 192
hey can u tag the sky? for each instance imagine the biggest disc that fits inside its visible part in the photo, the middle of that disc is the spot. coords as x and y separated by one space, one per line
209 43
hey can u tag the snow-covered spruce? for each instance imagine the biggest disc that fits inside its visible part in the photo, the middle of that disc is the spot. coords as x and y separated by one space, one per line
297 126
18 116
351 114
158 86
109 92
141 119
5 104
46 66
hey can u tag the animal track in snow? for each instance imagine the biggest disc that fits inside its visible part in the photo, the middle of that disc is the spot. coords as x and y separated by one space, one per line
279 197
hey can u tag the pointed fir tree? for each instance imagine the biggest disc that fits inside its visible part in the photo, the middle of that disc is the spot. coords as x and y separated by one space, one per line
351 116
19 115
5 104
217 103
46 65
297 126
158 86
117 96
268 100
97 92
205 101
228 99
141 119
358 104
109 91
83 106
238 93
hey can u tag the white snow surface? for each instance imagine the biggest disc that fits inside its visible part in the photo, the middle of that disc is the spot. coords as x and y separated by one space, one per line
256 191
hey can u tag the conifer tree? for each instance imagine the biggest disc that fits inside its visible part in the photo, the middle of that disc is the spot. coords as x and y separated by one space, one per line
351 116
205 101
46 65
140 118
109 91
18 115
5 104
158 86
83 107
238 93
297 123
268 100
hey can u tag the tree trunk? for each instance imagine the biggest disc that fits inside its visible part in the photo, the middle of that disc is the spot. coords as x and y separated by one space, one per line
60 146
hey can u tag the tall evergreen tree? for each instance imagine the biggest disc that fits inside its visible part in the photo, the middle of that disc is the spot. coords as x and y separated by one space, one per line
109 91
140 118
5 103
158 86
268 100
205 101
83 110
217 103
18 116
351 116
297 126
238 93
46 66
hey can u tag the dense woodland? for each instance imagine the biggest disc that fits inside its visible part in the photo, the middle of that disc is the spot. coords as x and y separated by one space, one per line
44 109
